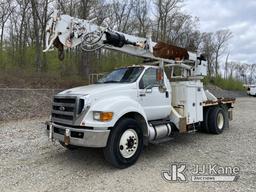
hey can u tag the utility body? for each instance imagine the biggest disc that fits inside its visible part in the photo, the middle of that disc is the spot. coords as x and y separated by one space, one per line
133 106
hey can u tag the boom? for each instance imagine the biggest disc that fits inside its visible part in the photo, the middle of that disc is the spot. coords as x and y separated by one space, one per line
64 31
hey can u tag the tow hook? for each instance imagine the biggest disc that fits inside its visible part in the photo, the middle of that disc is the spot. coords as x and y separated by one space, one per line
67 137
50 132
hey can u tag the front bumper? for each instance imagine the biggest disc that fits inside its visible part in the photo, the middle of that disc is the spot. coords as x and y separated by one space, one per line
77 137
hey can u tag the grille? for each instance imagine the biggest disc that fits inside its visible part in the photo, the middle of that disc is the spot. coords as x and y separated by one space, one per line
64 109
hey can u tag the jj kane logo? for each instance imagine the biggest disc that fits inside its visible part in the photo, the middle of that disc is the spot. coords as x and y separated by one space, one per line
181 172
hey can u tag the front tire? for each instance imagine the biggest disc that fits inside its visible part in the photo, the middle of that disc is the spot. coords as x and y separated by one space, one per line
125 144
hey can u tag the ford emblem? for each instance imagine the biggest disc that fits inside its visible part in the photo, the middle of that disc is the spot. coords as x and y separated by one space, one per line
62 108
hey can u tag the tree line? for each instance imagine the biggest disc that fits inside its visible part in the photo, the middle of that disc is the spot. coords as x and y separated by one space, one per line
23 23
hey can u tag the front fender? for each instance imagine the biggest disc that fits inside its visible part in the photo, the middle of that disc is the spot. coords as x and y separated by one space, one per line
118 105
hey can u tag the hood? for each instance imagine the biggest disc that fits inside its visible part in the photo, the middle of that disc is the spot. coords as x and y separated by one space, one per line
97 88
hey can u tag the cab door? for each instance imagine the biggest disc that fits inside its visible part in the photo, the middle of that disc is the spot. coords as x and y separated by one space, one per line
155 102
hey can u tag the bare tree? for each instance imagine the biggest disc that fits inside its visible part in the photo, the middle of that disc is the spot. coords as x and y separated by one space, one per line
142 18
34 7
6 9
226 66
252 73
166 10
122 11
208 50
232 68
221 40
183 32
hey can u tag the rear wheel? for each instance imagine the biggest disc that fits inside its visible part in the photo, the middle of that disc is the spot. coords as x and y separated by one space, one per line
125 144
217 120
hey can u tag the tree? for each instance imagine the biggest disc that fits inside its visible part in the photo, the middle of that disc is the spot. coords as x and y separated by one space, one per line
142 19
6 9
34 7
166 10
252 73
122 11
226 66
221 41
207 48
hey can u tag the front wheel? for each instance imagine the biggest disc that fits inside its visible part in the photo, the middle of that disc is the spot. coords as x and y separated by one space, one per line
125 144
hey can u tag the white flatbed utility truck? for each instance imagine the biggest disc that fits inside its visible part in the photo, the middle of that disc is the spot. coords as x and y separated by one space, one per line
131 106
251 90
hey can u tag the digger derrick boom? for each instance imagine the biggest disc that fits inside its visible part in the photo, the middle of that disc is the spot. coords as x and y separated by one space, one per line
64 31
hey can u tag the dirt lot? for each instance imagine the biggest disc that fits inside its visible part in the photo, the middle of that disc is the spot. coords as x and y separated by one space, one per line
25 103
28 162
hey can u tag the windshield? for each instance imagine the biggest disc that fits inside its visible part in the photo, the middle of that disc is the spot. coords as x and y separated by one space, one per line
122 75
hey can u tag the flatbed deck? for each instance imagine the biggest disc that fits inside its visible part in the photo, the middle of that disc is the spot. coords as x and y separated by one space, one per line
225 101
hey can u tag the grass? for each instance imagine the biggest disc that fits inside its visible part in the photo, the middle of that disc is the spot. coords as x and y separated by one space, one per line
42 80
227 84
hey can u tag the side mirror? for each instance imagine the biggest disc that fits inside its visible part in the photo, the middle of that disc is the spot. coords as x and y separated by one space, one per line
160 79
159 75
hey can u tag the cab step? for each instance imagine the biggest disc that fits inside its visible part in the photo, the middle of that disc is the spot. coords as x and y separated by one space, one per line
192 131
163 140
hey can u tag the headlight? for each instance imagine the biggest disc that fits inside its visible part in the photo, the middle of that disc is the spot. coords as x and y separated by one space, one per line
102 116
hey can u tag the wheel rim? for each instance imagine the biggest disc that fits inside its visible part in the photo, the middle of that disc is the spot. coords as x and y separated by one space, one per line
220 121
128 144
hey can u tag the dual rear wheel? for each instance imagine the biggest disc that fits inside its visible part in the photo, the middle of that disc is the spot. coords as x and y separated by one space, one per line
215 120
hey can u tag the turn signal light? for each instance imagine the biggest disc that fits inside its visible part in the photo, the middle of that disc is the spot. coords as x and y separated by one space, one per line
103 116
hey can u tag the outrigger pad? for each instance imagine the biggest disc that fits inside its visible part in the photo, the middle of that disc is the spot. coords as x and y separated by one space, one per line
167 51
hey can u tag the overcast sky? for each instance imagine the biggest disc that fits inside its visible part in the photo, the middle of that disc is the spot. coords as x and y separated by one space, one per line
237 15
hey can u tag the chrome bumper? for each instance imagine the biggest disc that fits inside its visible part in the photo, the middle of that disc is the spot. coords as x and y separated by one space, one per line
77 137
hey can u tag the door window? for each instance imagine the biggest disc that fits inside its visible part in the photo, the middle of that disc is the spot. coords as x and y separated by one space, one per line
149 79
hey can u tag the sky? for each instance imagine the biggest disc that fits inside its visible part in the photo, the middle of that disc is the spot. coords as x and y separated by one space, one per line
237 15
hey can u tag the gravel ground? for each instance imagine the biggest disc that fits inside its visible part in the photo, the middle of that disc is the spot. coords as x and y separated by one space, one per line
28 162
218 92
25 103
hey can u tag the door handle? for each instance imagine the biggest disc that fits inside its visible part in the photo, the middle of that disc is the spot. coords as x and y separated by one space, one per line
142 94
